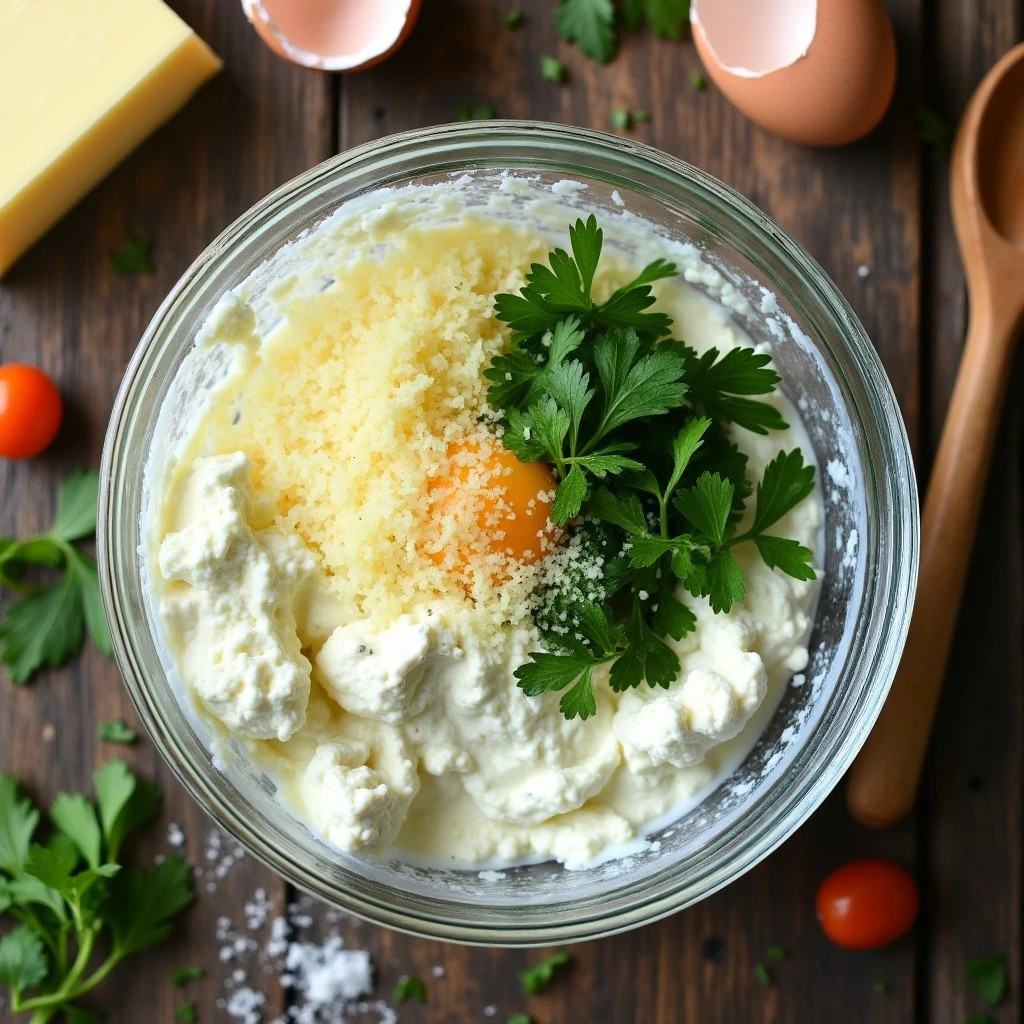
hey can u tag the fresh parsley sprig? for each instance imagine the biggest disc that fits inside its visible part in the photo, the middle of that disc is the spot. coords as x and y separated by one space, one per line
71 890
564 289
47 626
591 24
635 426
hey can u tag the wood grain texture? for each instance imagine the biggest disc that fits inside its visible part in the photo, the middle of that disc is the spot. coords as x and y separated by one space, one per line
973 793
871 205
61 307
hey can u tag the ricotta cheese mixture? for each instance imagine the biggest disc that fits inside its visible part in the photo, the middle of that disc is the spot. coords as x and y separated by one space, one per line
302 566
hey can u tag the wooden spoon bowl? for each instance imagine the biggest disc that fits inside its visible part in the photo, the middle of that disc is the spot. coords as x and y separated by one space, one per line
987 182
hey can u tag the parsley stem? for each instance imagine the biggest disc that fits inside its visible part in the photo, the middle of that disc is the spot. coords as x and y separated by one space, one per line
70 988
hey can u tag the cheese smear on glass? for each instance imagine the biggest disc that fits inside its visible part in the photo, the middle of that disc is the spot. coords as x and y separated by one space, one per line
296 575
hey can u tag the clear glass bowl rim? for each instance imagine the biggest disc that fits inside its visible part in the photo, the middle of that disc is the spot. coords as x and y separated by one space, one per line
525 145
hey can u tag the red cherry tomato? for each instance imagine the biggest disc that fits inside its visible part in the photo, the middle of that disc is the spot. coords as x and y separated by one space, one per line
30 411
867 904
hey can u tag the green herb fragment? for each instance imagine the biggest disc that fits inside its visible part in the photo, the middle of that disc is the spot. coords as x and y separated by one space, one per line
698 81
520 1018
666 18
482 112
763 975
881 987
778 953
410 989
134 257
535 979
590 24
936 134
552 69
116 732
513 18
651 487
988 975
641 116
622 120
74 897
187 1013
47 626
184 975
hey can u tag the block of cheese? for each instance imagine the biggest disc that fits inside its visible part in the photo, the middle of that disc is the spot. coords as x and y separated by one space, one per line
82 82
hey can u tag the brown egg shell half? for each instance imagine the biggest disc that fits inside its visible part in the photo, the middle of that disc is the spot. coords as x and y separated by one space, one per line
264 31
835 94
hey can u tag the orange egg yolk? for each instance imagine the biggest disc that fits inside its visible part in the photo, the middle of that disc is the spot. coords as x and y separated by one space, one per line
506 503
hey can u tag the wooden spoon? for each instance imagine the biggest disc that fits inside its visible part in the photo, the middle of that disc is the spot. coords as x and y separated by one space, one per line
987 182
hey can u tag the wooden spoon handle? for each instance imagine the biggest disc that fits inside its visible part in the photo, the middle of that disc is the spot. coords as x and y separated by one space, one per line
883 781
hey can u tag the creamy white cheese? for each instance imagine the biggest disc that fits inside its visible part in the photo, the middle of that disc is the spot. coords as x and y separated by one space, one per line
413 733
229 605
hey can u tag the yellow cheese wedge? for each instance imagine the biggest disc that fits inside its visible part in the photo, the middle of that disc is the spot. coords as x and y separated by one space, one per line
82 83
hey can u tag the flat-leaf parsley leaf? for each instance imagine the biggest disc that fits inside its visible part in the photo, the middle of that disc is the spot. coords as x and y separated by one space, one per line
48 624
538 977
73 896
651 487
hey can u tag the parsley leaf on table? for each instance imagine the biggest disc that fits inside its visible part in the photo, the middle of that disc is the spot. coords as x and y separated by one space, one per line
536 978
48 624
667 18
116 731
988 975
70 890
936 134
519 1018
590 24
552 68
18 823
183 975
134 257
410 988
23 961
187 1013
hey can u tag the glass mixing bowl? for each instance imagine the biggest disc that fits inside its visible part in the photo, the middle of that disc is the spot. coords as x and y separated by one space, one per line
870 544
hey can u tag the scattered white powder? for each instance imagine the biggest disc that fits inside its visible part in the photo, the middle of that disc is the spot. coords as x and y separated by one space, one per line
798 680
617 199
491 876
328 983
324 976
850 555
175 836
219 859
257 910
246 1005
568 187
837 472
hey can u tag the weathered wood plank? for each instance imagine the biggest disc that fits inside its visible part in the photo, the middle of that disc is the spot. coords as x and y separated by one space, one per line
973 790
62 308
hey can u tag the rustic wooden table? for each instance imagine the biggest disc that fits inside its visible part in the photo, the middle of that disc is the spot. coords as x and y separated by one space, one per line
879 204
